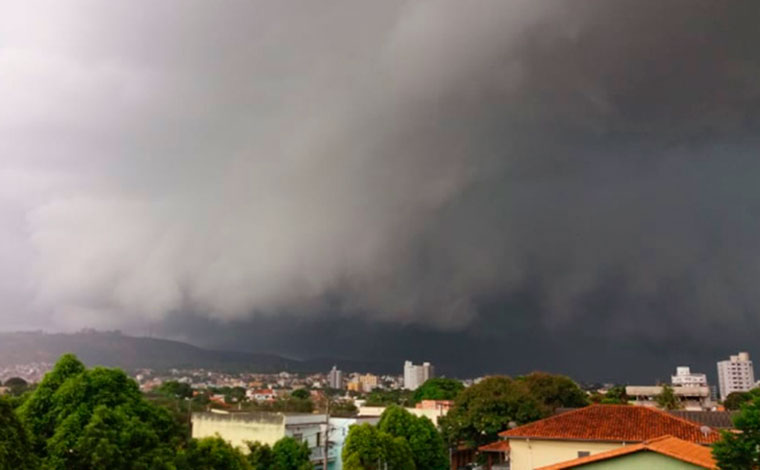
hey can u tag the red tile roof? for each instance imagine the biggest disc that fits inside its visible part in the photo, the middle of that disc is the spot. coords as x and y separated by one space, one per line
667 445
498 446
619 423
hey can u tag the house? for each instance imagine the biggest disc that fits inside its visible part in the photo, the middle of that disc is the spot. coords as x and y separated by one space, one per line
666 452
261 395
497 455
595 429
238 428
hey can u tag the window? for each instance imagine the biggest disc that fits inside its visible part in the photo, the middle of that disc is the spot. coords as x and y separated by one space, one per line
583 453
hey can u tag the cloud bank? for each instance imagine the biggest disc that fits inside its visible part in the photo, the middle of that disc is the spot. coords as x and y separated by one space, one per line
405 162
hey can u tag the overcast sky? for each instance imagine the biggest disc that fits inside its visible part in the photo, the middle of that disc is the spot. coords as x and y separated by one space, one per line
491 185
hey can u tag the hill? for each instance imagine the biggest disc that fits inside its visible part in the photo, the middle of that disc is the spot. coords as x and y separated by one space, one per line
114 349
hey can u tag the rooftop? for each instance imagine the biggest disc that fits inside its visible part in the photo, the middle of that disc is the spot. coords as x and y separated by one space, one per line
666 445
615 423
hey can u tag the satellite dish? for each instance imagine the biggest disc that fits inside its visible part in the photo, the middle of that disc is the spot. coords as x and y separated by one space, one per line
705 430
512 425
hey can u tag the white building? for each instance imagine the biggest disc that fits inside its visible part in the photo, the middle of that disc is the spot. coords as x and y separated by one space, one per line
414 375
335 378
686 378
735 375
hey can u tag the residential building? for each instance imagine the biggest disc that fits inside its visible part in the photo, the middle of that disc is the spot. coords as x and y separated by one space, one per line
261 395
237 428
497 455
368 382
335 378
686 378
723 420
416 375
735 375
663 453
595 429
691 398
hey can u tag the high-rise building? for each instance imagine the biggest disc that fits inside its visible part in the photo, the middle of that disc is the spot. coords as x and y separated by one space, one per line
414 375
686 378
335 378
735 375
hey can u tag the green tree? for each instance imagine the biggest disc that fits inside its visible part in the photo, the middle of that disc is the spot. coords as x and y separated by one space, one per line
667 399
379 397
555 391
481 411
260 456
94 419
16 386
741 450
211 453
15 448
368 448
615 396
423 438
439 388
290 454
301 394
735 400
176 389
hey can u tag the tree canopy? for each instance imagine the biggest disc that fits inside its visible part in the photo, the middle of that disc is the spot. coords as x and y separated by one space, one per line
94 419
368 448
481 411
438 388
285 454
667 399
555 391
741 450
735 400
211 453
175 389
15 448
424 440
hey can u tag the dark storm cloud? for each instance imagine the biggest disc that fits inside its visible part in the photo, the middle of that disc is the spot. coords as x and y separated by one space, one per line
412 164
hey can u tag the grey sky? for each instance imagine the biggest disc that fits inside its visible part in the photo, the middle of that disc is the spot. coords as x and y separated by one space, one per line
407 163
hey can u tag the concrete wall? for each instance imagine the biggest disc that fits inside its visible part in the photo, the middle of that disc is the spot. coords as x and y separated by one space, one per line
237 428
528 455
641 461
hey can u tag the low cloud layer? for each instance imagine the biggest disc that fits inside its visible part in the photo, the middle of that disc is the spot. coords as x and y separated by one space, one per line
402 162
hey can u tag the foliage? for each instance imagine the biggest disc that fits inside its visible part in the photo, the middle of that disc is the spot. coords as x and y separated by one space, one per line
16 386
301 394
555 391
94 419
290 454
735 400
741 450
615 396
343 409
176 389
423 438
379 397
368 448
15 449
667 399
260 456
439 388
481 411
211 453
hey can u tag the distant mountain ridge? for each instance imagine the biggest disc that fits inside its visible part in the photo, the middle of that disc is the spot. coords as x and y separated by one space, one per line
114 349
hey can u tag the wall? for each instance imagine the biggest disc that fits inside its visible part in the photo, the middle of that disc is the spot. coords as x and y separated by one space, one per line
640 461
237 428
528 455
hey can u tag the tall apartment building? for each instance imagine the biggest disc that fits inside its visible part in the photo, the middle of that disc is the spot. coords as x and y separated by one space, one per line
735 375
686 378
335 378
415 375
